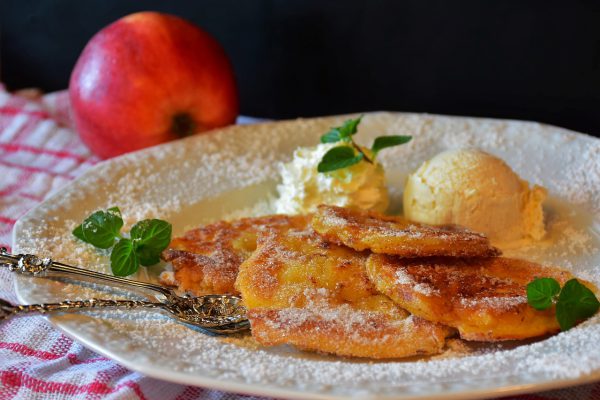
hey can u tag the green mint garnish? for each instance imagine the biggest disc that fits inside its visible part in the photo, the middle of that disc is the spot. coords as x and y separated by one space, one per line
343 132
101 229
339 157
383 142
151 237
148 238
542 292
123 258
331 137
351 153
78 232
574 302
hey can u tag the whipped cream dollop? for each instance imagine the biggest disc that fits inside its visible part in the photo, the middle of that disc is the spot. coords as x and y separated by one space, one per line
303 188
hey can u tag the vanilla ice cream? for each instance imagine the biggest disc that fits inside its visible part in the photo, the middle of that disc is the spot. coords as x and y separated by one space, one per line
303 188
475 189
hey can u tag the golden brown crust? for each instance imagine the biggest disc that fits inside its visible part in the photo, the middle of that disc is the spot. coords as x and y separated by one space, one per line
300 289
206 260
379 233
484 298
346 332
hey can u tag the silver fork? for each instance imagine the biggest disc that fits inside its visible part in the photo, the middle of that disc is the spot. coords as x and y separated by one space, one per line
216 314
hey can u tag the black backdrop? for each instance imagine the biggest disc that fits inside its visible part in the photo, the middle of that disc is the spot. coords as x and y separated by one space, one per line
536 60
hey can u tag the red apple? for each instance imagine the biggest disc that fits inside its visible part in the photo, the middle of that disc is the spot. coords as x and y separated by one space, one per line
149 78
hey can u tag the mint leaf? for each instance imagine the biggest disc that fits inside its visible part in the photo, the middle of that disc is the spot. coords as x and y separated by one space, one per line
575 303
349 127
78 233
123 259
343 132
101 228
115 211
383 142
147 256
339 157
332 136
154 233
151 237
541 292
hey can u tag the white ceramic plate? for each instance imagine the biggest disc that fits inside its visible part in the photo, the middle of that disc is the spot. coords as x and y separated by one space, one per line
234 172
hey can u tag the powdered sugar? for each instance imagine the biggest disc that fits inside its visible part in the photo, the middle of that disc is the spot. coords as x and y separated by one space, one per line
500 303
203 178
584 174
403 278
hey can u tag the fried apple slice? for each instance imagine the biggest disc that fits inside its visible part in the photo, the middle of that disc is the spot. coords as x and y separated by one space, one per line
484 298
379 233
206 260
301 290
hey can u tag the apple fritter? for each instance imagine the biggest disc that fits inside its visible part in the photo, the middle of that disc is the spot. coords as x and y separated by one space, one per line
206 260
484 298
301 290
380 233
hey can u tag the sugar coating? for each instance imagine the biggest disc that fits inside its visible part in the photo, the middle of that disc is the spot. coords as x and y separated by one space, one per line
425 289
172 181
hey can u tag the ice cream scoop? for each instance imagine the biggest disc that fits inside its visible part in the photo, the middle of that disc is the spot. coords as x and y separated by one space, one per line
475 189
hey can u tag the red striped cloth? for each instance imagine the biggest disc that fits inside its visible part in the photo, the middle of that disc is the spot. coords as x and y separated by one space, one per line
39 153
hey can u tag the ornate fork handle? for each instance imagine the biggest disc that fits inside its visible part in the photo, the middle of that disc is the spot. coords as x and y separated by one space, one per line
216 314
7 310
29 264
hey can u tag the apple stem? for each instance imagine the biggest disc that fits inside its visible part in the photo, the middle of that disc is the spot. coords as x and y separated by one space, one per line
183 125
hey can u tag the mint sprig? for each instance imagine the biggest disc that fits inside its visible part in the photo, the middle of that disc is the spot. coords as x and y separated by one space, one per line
343 132
384 142
148 238
350 153
339 157
574 302
123 258
542 292
101 228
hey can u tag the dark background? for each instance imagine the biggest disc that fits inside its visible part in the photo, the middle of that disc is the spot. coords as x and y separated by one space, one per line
535 60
